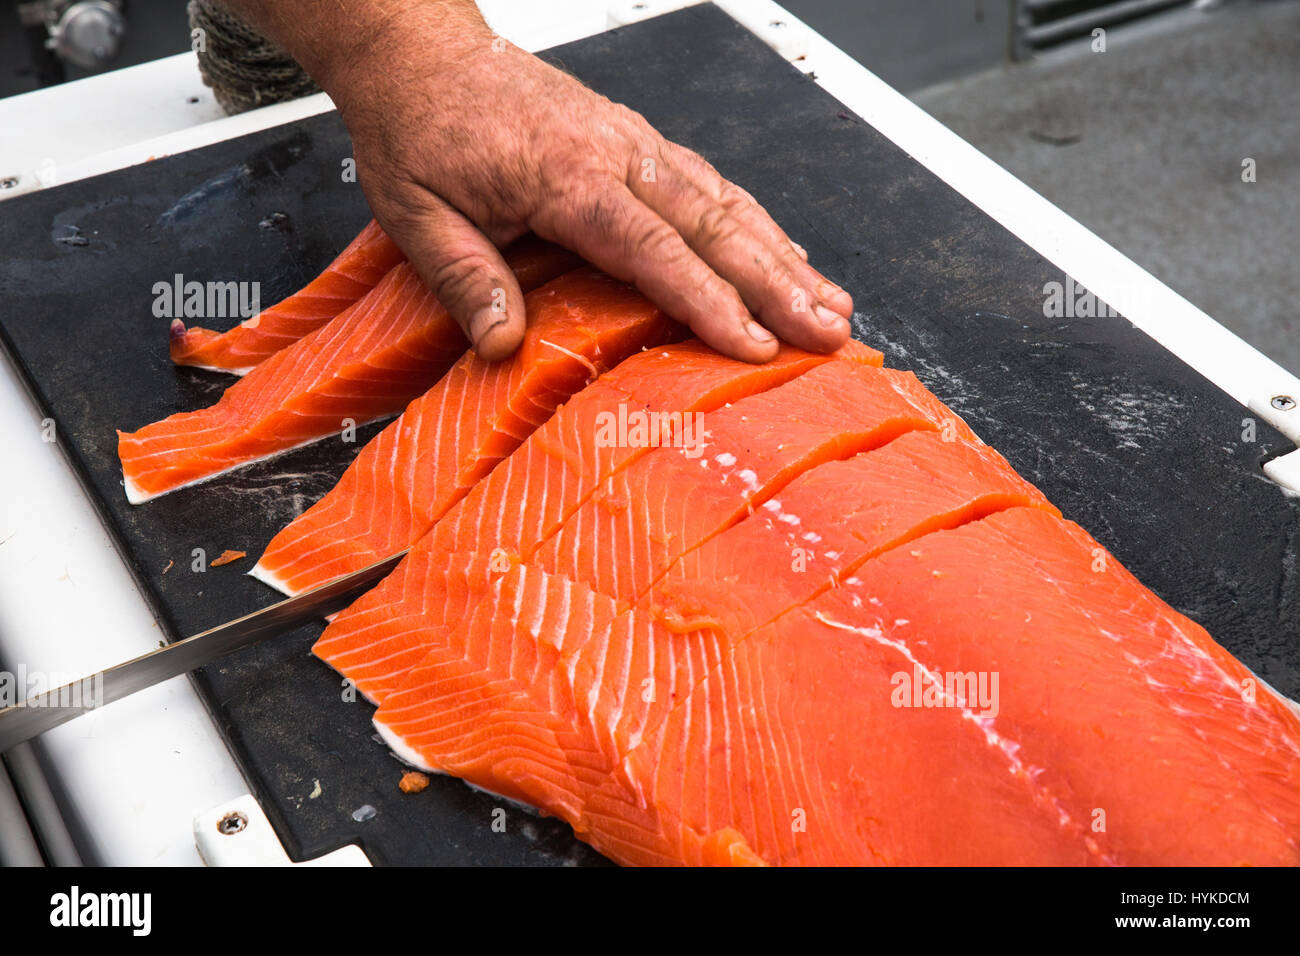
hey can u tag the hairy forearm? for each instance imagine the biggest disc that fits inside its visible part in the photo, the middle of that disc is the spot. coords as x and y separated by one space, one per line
336 41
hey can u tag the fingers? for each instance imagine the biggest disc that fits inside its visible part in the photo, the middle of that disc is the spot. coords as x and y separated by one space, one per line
613 229
733 234
464 270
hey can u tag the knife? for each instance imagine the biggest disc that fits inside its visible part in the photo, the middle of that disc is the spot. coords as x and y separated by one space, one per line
44 711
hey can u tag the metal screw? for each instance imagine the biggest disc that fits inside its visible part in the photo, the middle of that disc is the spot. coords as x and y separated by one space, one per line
1283 403
8 182
232 823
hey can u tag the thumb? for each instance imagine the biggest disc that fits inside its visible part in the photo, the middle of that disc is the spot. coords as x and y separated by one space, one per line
467 274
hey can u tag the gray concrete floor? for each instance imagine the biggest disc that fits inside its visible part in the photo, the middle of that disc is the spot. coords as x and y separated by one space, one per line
1144 144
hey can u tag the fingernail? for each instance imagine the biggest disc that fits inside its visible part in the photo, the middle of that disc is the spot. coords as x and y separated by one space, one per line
803 253
828 317
758 333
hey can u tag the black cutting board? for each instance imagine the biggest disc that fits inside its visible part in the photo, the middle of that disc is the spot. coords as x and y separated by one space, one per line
1127 440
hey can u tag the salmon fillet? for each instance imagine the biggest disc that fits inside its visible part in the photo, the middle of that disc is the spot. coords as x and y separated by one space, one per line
919 483
363 365
497 679
579 326
356 271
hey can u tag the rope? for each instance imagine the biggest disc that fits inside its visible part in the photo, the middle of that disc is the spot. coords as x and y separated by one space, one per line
244 69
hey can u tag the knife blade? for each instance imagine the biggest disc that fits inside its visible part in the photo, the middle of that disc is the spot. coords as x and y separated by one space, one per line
47 710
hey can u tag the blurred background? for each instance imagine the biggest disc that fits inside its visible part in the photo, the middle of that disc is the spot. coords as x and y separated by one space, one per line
1165 126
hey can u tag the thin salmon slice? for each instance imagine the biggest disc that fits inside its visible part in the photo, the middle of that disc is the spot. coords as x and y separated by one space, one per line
522 502
357 270
365 364
579 326
1119 732
612 675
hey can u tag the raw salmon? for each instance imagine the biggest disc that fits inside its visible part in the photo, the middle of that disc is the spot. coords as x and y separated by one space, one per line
579 326
714 613
355 272
525 500
365 364
644 401
602 664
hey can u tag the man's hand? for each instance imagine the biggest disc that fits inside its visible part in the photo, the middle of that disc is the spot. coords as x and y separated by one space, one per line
464 142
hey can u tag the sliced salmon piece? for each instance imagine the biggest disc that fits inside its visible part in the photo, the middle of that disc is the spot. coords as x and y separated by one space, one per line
365 364
507 515
643 518
357 270
579 326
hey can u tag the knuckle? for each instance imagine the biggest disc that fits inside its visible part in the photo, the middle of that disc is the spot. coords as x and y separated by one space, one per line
454 277
655 241
716 225
596 211
734 199
688 159
630 118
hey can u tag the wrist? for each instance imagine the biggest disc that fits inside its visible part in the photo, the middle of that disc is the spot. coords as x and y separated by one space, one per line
392 41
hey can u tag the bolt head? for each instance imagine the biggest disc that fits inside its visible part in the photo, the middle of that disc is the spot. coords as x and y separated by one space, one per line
232 823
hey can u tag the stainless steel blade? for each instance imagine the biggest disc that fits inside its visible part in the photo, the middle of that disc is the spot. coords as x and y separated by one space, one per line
42 712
